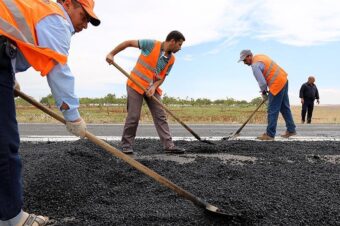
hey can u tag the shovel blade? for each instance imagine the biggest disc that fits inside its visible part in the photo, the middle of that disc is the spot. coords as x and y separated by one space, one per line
216 212
231 136
208 142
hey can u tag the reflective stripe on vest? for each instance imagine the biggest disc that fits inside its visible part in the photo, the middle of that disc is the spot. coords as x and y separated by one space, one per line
146 65
274 76
141 75
12 31
20 21
269 69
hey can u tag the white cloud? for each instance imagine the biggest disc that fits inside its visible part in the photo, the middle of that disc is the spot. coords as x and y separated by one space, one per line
298 23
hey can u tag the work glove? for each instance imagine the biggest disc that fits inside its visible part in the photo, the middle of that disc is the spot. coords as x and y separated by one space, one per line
264 95
77 128
16 86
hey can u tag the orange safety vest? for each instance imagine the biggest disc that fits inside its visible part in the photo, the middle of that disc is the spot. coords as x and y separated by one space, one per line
275 76
18 19
145 70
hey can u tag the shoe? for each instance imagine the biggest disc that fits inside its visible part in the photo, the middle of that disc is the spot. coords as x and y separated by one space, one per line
302 122
34 220
288 134
174 150
127 150
265 136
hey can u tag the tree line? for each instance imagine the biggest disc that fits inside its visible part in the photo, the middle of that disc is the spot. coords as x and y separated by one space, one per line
112 99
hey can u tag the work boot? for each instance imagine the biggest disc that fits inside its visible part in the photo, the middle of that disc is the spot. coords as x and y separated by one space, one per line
34 220
265 136
127 150
174 150
288 134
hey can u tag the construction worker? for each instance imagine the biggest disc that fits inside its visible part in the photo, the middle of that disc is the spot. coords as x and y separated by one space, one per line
308 93
35 33
153 65
270 75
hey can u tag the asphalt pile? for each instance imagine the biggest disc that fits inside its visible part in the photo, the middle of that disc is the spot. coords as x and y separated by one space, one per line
274 183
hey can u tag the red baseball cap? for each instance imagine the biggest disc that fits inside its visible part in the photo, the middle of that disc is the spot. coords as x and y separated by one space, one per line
88 5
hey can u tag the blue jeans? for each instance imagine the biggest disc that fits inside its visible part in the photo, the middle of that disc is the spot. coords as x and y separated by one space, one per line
11 200
279 103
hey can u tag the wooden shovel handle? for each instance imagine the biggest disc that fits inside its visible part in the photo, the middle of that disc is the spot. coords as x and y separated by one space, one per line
147 171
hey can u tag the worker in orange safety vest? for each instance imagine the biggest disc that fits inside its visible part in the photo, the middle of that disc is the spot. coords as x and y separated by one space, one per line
270 75
152 67
35 33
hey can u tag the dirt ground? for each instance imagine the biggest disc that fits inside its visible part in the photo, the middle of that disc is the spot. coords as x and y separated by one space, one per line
267 183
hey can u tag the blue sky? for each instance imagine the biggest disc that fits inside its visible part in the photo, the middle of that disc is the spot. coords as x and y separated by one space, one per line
301 36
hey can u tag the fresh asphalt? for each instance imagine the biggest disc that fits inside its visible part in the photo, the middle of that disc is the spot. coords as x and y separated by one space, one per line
203 130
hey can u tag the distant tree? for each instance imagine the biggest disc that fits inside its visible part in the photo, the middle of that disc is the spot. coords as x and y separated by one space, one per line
48 100
21 102
256 101
202 101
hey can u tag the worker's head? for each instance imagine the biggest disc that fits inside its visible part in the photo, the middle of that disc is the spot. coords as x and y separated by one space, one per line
80 13
246 56
311 79
174 41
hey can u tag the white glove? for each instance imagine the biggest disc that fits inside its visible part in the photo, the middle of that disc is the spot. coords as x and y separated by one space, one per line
77 128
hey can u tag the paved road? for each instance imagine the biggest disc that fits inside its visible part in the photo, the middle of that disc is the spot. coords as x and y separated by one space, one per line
312 130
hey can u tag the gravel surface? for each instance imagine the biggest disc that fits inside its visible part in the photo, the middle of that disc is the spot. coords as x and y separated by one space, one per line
266 183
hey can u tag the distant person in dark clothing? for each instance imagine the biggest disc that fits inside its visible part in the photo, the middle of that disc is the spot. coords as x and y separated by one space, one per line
308 93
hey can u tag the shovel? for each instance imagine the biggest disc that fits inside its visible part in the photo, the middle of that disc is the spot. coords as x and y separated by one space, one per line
163 106
237 133
137 165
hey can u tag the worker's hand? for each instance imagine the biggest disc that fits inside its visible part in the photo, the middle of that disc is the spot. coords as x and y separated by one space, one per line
109 58
264 95
318 101
151 91
302 101
16 86
77 127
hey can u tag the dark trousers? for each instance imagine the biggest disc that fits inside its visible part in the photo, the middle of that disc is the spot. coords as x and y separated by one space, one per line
134 107
10 164
307 107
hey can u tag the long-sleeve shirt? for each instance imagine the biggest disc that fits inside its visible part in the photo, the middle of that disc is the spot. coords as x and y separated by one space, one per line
309 92
258 69
55 32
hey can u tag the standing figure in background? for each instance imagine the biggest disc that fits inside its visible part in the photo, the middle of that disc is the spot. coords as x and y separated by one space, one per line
308 94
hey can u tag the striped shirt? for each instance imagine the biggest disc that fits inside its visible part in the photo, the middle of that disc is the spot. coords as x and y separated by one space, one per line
147 45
